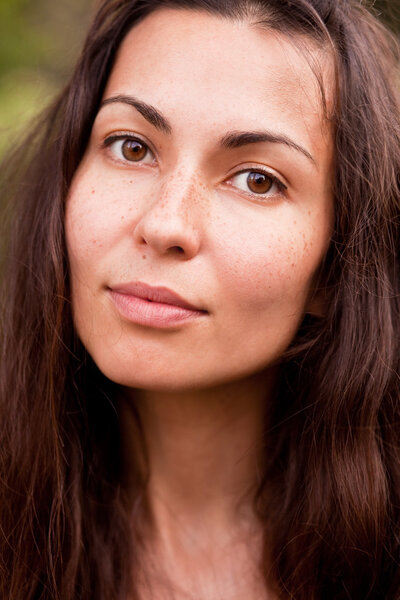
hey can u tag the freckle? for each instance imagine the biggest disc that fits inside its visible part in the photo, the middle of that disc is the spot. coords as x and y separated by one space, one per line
144 256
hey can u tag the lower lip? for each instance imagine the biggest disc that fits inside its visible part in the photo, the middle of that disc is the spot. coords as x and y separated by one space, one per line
152 314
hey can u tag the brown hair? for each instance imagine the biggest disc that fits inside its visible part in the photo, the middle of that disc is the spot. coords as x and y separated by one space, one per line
330 497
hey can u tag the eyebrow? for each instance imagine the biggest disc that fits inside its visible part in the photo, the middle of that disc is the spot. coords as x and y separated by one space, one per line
233 139
236 139
151 114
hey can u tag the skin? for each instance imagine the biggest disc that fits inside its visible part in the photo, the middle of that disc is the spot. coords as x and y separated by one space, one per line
183 218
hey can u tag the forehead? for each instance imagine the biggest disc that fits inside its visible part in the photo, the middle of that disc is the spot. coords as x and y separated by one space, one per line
204 69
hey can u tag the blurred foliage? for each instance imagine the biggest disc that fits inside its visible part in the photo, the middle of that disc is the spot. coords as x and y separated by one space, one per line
40 40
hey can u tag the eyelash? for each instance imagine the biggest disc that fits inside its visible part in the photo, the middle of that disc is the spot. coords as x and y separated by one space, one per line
275 181
123 137
257 195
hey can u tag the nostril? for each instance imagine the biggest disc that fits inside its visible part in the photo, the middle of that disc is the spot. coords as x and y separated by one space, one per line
178 249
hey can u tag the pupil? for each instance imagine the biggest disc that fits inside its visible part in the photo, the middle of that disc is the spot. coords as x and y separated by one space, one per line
133 150
259 182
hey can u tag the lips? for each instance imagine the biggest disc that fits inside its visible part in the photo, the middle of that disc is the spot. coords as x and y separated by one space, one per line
151 306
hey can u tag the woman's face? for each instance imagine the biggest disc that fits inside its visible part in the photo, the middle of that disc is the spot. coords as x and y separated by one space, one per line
207 175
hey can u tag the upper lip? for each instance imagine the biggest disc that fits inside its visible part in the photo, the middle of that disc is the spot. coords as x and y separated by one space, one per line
153 294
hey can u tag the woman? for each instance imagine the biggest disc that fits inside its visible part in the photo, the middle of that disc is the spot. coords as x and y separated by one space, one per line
200 311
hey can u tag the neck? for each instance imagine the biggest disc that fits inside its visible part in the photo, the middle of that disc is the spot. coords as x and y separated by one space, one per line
203 449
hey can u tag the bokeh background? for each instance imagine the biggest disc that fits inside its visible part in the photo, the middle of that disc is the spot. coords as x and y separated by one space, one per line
39 42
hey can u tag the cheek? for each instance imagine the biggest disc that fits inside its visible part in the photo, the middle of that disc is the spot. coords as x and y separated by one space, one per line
273 261
95 218
93 224
86 223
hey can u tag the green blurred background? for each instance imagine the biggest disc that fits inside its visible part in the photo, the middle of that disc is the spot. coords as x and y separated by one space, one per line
39 42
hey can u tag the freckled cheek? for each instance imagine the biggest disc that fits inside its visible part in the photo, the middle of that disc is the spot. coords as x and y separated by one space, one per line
86 233
95 217
268 265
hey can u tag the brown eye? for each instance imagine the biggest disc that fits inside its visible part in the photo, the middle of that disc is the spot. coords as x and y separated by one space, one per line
259 183
127 149
133 150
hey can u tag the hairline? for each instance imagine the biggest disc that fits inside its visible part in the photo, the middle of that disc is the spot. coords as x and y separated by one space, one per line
260 18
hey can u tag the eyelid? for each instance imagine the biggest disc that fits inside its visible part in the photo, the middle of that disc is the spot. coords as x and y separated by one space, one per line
259 168
127 135
277 180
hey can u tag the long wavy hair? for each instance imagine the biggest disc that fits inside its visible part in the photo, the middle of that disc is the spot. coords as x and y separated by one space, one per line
330 495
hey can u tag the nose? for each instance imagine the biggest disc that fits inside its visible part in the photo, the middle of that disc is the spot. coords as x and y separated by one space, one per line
170 224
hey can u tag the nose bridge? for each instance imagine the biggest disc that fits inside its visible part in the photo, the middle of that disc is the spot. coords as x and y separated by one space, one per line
172 219
181 192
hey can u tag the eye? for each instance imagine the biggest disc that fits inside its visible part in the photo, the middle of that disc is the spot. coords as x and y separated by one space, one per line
129 149
258 183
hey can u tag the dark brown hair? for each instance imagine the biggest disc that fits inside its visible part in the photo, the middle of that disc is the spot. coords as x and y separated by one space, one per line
330 497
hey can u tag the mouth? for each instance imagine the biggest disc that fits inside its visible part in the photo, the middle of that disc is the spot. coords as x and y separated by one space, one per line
157 307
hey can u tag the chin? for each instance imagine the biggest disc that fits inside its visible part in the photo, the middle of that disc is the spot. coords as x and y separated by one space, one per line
174 377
